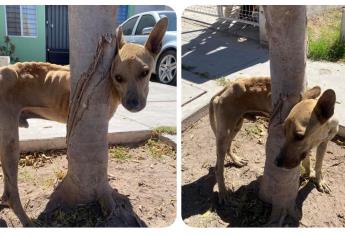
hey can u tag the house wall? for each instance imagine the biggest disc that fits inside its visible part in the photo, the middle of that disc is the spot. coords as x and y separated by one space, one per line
27 48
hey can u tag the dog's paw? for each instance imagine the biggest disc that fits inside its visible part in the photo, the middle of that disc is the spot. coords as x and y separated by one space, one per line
320 184
240 162
322 187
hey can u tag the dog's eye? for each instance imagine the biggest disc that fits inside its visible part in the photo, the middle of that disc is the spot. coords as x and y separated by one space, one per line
144 73
119 78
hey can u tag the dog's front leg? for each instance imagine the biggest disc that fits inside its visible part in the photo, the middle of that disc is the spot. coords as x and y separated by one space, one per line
308 171
319 181
9 155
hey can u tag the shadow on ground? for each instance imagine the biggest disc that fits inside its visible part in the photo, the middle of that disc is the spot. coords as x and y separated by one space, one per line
214 51
245 209
90 215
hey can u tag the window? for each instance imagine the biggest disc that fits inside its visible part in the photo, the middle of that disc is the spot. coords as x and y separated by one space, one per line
127 28
21 20
145 21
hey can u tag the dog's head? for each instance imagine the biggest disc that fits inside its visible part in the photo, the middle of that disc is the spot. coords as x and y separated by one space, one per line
303 124
133 64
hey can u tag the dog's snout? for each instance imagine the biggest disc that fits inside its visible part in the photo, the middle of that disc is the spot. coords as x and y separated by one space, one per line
132 104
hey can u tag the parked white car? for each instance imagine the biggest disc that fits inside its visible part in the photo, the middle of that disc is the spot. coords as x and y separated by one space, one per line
136 30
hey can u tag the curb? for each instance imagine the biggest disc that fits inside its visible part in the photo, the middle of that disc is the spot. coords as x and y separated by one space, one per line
116 138
60 142
168 140
194 117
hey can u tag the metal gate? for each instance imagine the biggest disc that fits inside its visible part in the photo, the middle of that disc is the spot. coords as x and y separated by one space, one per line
248 14
57 38
122 14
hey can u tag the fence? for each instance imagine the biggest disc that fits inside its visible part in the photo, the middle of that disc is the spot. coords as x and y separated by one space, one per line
247 14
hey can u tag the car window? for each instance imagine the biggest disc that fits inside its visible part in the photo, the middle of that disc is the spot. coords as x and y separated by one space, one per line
127 28
145 21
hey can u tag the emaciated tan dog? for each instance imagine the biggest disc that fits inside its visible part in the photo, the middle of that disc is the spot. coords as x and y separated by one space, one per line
310 123
251 97
31 90
242 98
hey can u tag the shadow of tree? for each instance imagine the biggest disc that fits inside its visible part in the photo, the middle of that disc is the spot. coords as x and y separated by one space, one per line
215 51
3 223
245 208
89 215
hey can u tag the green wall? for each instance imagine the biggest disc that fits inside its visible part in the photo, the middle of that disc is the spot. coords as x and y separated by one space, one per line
28 48
131 10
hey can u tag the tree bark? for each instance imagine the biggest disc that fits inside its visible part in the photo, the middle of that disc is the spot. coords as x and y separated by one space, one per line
92 51
286 28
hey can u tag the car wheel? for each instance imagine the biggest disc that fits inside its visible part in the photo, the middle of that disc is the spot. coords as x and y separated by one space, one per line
166 67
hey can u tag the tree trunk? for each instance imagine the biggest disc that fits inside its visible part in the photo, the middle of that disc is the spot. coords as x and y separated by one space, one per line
286 28
92 51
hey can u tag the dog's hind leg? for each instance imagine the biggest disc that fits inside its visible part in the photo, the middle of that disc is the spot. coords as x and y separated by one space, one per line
9 154
222 145
319 181
236 160
224 134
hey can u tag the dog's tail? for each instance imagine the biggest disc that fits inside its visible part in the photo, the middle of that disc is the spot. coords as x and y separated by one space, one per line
212 114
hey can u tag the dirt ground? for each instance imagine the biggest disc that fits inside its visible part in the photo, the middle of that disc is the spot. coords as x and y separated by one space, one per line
144 173
200 207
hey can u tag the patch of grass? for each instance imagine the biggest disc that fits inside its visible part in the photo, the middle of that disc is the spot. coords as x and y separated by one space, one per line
324 37
254 131
249 209
119 153
222 81
25 175
165 130
340 141
60 174
159 149
89 215
34 159
47 183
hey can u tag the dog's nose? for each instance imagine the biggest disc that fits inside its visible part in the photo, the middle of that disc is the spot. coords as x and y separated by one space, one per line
132 104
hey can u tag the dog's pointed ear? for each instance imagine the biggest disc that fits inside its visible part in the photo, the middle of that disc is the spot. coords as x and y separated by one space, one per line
120 41
154 42
312 93
324 108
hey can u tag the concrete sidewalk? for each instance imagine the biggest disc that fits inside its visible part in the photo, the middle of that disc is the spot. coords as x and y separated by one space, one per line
209 55
124 127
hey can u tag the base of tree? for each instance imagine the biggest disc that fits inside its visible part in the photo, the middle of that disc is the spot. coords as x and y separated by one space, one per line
111 209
